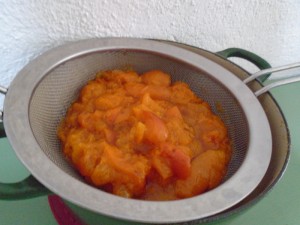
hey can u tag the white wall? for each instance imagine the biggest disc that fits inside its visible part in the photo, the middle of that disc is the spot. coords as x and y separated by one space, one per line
267 27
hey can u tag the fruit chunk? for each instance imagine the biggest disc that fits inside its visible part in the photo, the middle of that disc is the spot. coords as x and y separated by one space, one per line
125 171
179 158
156 130
157 78
108 101
135 89
207 169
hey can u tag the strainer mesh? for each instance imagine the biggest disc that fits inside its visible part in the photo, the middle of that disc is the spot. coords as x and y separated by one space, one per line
60 87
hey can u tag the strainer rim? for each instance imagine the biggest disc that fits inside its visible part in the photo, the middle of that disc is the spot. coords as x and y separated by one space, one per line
16 122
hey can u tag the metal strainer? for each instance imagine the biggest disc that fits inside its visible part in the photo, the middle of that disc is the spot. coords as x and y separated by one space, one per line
41 93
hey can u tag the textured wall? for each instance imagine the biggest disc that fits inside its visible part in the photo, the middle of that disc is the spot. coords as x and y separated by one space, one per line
29 27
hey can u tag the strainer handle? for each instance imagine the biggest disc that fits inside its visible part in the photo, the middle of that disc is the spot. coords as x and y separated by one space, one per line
2 131
282 81
249 56
3 90
27 188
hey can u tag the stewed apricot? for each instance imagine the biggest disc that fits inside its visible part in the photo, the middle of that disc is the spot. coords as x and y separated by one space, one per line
142 136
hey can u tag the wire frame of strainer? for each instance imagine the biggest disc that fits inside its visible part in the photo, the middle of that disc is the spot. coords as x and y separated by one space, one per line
40 95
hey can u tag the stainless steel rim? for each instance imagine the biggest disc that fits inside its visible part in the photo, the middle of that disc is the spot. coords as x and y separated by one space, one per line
17 124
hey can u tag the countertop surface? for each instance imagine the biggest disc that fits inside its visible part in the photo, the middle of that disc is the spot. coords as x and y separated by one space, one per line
281 206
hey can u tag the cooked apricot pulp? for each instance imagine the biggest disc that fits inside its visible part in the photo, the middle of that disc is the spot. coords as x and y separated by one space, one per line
141 136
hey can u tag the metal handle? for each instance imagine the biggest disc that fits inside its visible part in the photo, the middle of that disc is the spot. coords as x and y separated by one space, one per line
27 188
3 90
2 131
249 56
276 83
